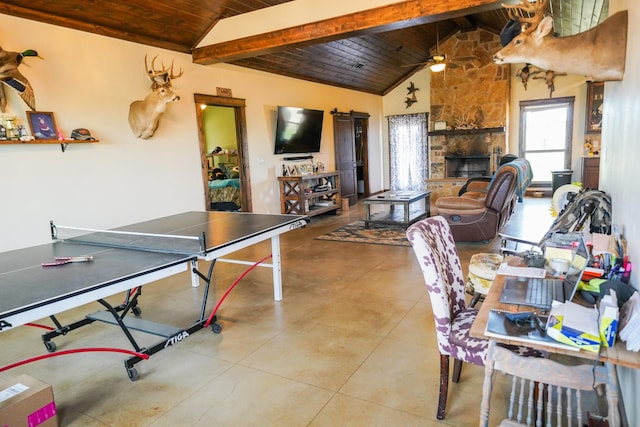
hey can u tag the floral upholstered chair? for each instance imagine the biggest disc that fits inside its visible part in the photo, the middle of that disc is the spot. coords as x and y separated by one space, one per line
436 252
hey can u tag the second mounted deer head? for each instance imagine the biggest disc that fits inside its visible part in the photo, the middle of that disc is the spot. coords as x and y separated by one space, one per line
598 53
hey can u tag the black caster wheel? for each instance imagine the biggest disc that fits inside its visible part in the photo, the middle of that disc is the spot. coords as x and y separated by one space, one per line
136 311
133 374
216 328
50 346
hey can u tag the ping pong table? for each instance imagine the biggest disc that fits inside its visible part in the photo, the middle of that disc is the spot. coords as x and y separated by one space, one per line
127 258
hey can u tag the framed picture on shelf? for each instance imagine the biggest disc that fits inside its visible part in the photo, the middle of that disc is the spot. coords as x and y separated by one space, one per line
42 124
593 110
305 169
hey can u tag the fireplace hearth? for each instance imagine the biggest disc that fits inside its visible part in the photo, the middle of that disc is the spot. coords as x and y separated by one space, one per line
457 166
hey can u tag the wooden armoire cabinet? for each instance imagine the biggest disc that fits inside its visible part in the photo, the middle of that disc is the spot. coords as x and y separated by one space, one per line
591 172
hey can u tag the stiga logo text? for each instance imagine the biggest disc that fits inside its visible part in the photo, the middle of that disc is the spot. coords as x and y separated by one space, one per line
4 324
176 338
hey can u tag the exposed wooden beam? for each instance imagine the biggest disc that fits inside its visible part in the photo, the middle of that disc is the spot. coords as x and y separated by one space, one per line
394 16
465 24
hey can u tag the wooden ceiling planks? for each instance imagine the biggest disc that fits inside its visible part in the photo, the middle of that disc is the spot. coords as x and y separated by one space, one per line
363 51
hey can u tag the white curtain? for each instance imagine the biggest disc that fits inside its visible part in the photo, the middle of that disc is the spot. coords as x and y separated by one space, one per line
408 149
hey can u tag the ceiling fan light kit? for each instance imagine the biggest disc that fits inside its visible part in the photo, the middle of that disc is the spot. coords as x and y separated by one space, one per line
437 67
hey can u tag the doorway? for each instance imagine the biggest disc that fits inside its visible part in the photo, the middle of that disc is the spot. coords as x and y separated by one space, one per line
350 135
225 174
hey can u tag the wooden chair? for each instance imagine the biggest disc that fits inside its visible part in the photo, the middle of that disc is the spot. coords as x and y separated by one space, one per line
543 392
435 249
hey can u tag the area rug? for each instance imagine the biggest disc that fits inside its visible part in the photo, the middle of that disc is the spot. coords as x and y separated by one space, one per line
356 233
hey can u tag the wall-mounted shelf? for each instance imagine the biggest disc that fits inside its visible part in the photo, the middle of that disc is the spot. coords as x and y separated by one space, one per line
466 131
593 110
63 144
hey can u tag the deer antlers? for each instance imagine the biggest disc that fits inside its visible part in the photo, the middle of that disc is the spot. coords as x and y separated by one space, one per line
527 13
163 76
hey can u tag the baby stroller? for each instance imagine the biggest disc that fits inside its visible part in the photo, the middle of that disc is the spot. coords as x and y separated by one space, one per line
589 205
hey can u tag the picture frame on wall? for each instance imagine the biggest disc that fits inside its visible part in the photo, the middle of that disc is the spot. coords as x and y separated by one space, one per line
43 125
594 108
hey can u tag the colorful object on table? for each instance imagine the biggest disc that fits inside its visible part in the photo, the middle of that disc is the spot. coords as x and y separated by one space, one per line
67 260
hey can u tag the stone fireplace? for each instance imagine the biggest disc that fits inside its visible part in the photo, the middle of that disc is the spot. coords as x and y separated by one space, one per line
472 99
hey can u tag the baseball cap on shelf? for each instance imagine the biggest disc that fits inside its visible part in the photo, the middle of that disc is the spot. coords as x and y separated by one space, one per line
81 134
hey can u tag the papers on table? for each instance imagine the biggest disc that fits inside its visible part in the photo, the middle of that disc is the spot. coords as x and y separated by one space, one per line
630 322
508 270
574 324
500 327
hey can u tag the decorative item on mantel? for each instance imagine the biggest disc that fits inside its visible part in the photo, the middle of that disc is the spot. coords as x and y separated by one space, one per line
440 125
479 117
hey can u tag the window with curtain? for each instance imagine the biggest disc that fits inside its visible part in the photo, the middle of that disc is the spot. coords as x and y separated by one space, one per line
408 151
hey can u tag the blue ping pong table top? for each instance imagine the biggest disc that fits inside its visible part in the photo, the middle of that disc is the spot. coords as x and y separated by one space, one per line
25 284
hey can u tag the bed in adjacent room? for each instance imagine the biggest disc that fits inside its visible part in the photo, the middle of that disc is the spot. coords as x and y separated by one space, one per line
224 189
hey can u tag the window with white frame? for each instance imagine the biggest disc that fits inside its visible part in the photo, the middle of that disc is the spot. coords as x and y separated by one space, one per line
546 135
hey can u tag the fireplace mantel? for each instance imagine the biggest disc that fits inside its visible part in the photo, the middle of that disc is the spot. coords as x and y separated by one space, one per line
466 131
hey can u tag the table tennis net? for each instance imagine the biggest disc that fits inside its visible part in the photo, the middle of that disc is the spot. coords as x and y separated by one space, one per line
164 243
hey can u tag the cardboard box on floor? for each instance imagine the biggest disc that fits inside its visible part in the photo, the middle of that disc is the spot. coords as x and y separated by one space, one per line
26 401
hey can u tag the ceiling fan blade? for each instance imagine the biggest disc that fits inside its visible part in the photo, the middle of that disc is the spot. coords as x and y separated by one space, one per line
416 64
463 58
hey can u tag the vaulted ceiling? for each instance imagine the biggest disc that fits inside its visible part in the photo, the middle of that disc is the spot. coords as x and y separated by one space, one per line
363 51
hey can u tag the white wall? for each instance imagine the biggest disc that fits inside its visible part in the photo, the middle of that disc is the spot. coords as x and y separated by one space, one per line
89 81
620 171
619 156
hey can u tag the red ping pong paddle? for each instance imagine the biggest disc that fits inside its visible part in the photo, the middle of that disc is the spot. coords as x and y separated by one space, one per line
66 260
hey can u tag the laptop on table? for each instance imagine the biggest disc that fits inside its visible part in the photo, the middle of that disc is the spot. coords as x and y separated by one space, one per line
540 293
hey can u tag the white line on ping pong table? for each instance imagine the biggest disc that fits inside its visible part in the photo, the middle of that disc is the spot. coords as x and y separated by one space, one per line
55 228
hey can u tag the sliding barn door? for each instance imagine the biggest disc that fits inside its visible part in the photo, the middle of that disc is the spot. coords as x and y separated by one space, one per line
345 152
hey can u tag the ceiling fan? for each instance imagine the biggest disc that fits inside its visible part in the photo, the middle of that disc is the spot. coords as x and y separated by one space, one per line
439 61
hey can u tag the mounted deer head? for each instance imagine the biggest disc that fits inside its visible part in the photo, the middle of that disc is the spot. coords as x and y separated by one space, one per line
598 53
145 115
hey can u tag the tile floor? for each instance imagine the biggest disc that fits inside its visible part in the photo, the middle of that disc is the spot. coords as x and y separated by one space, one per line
351 344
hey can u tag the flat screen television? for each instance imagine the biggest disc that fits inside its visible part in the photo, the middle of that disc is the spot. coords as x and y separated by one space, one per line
298 130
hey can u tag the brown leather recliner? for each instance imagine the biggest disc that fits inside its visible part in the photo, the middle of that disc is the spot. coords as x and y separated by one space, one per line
477 216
